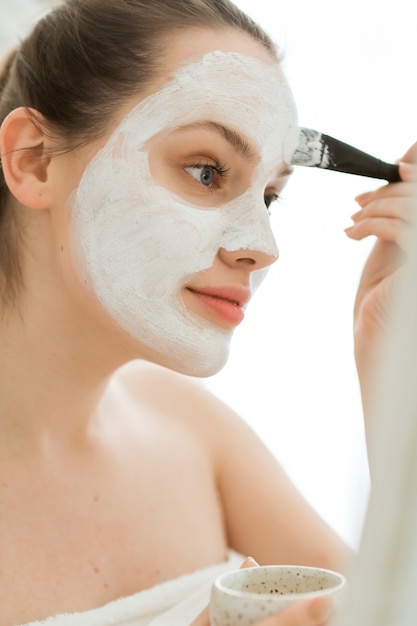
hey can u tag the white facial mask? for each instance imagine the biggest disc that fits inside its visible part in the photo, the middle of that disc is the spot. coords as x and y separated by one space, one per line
136 244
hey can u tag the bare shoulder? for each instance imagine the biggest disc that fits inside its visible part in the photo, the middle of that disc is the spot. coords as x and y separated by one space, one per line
189 417
178 408
177 398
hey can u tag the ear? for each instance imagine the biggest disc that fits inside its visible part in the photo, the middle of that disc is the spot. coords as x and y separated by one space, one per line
24 159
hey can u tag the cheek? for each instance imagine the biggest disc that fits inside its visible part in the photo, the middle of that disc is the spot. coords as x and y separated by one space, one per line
133 235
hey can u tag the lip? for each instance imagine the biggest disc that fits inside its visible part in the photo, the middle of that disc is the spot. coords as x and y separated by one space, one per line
227 303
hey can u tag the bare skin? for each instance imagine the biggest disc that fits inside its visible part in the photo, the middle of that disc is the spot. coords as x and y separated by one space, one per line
389 214
113 480
120 510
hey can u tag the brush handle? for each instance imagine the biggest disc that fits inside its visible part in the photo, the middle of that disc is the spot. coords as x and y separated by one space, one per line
342 157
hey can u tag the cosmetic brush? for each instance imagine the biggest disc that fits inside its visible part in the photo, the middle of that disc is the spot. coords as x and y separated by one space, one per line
310 148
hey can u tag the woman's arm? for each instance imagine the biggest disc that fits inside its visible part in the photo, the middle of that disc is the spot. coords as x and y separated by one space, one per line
265 515
387 213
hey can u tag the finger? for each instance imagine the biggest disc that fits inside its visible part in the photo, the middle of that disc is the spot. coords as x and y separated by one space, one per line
394 190
403 209
314 612
408 171
203 619
249 562
388 229
411 155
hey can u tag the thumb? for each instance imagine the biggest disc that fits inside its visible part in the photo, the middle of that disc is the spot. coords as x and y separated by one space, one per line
408 171
249 562
408 163
411 155
203 619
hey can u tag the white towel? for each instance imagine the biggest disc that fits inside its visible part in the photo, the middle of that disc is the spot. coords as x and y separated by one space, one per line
172 603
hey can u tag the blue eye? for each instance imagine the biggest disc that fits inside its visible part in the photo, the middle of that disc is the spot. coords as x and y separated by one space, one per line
206 174
203 174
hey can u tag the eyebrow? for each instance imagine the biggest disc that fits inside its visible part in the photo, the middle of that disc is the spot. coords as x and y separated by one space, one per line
237 142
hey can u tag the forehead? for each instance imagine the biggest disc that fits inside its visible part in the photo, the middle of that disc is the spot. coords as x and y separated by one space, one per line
193 43
228 88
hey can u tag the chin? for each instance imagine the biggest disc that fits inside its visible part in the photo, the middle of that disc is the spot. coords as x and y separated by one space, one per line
192 360
205 371
198 367
198 349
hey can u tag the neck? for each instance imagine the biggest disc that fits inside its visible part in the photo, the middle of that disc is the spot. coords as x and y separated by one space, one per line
53 376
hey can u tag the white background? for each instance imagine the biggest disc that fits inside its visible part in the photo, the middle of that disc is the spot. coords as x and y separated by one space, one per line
291 374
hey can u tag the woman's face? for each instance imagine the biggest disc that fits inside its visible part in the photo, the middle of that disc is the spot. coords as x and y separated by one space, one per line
169 223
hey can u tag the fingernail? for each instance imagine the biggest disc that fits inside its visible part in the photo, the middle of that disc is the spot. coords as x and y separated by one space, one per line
250 561
356 216
362 198
408 171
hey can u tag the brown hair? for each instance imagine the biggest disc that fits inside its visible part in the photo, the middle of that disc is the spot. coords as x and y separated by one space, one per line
78 65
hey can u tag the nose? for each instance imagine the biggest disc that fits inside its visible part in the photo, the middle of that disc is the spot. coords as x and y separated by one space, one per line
247 240
248 259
